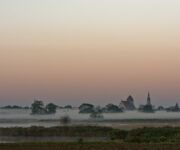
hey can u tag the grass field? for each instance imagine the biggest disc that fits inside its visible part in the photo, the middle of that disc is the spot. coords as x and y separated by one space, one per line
143 135
166 138
88 146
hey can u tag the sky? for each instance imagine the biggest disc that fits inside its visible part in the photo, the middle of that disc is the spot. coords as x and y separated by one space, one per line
96 51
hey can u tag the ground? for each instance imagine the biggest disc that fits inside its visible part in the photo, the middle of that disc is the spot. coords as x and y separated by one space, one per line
88 146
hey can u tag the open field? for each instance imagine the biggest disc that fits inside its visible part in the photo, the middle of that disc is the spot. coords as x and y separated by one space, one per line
89 134
88 146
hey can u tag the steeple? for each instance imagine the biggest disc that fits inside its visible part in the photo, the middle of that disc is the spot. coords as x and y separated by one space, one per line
148 99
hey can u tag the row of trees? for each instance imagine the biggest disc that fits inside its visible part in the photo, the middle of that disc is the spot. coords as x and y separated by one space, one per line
89 108
38 107
111 108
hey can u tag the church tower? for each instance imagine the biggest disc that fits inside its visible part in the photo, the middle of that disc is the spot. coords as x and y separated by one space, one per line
148 99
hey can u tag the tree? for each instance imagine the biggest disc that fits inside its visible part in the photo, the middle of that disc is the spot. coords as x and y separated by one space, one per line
51 108
97 113
86 105
37 107
86 108
68 107
111 108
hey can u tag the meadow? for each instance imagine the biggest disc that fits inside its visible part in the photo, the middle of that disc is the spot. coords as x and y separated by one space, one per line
141 135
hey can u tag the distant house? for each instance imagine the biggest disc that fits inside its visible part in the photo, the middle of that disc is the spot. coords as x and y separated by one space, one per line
128 104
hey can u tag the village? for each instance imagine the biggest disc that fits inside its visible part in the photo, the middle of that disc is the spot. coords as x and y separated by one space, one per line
38 107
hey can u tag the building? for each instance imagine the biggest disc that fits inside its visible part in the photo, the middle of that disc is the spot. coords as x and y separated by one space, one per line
175 108
128 104
148 99
148 107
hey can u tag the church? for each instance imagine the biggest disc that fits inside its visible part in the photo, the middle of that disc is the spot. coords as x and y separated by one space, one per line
148 107
128 104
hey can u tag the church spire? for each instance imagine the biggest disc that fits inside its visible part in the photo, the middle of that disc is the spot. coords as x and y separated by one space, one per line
148 99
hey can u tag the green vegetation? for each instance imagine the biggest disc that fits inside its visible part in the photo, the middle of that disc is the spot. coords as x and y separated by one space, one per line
143 135
14 107
37 107
97 114
154 135
111 108
69 131
51 108
138 139
68 107
88 146
86 108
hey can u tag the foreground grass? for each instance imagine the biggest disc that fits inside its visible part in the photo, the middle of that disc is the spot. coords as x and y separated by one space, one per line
142 135
88 146
71 131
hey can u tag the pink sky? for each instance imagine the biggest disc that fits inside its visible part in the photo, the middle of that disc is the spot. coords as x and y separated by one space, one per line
74 52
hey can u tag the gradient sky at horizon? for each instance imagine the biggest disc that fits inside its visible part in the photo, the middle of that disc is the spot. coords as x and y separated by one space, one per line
97 51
